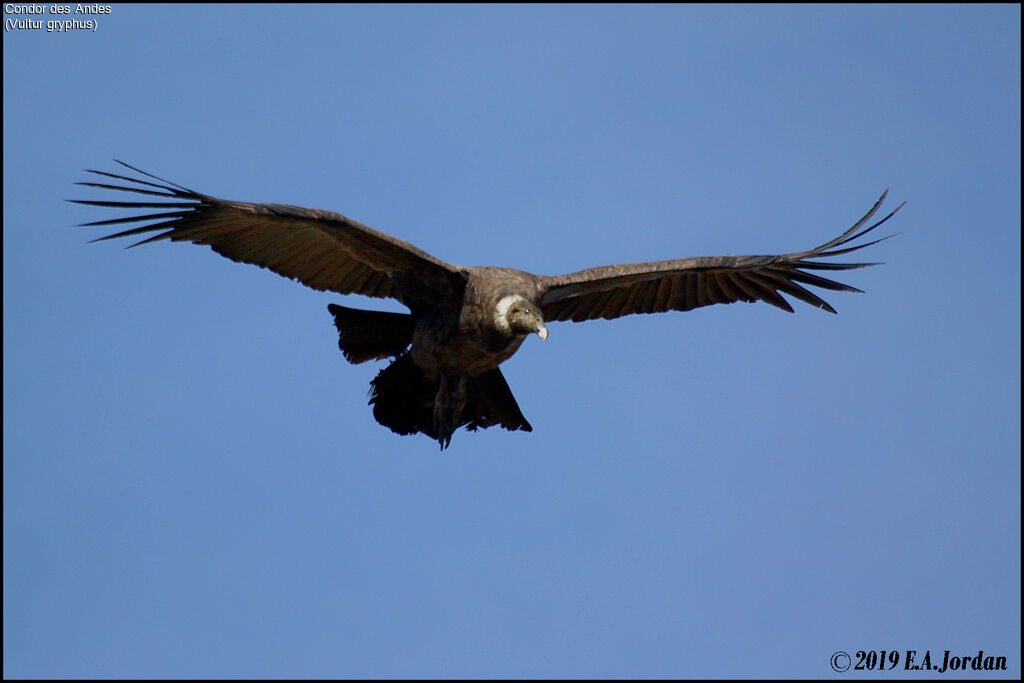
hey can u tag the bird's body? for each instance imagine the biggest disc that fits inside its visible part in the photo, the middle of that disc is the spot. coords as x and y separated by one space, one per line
463 322
455 348
473 339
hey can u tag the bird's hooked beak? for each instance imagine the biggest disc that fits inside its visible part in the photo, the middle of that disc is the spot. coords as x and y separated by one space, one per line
542 332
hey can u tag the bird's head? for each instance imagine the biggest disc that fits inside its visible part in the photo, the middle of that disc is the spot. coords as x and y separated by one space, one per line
517 316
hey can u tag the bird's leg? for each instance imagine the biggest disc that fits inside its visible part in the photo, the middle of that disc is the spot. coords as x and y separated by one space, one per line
448 406
440 409
458 401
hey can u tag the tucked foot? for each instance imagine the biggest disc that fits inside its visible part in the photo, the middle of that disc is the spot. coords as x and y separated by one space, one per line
448 406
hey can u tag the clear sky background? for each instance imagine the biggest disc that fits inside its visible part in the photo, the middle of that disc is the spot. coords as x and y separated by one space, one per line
195 486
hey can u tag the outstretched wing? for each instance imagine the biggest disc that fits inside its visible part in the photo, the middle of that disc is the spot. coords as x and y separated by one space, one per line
320 249
683 284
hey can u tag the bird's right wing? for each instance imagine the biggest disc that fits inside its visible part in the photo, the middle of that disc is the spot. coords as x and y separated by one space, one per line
320 249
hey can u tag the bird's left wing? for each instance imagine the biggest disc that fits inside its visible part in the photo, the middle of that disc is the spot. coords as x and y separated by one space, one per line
683 284
320 249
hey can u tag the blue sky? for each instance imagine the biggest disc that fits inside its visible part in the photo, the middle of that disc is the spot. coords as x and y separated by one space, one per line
195 486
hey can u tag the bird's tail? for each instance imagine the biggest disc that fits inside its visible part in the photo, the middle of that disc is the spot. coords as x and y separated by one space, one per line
403 396
490 402
371 335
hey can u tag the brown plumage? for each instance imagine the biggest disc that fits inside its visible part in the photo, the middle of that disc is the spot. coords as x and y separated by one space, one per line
463 322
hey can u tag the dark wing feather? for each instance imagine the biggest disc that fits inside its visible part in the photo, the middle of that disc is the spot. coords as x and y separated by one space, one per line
320 249
683 284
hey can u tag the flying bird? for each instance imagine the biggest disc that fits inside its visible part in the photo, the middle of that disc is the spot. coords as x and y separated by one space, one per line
463 321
